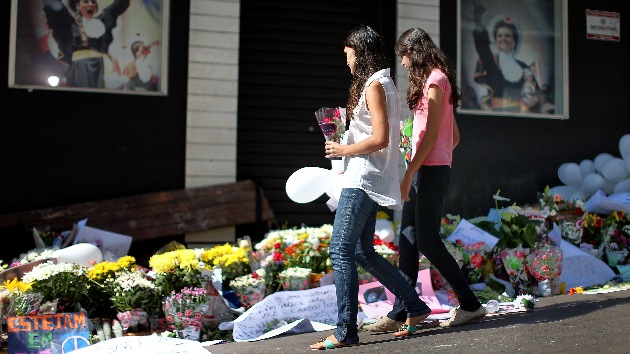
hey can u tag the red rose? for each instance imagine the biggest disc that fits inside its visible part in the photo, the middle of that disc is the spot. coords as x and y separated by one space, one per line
477 260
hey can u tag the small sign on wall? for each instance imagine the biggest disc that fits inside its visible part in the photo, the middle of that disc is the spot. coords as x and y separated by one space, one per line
603 25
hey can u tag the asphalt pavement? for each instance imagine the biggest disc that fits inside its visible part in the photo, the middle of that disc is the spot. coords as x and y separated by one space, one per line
583 323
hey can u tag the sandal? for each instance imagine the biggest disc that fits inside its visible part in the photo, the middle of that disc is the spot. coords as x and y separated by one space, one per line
328 344
408 329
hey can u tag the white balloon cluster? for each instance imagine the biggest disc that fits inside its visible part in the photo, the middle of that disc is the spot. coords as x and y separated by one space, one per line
606 172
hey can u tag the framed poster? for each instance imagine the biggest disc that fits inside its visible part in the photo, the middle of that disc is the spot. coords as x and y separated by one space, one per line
112 46
512 58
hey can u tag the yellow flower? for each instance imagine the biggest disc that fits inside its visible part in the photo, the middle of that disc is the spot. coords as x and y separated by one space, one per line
107 269
17 286
169 261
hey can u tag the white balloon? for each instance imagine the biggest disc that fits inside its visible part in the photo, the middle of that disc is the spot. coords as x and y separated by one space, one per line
615 170
586 167
562 172
308 184
609 187
628 164
622 187
600 160
385 230
592 182
624 146
85 254
572 175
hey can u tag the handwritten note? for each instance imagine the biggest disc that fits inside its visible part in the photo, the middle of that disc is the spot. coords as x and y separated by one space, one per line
145 344
471 234
317 305
582 269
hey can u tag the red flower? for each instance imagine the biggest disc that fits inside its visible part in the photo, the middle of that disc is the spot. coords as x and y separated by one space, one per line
477 260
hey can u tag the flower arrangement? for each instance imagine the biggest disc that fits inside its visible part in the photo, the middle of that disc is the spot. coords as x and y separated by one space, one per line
65 282
133 290
250 288
175 270
15 302
545 262
232 260
184 311
449 224
457 251
33 255
103 274
475 258
295 278
332 122
514 263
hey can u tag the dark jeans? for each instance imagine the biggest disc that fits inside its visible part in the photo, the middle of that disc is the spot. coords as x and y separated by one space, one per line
351 244
425 211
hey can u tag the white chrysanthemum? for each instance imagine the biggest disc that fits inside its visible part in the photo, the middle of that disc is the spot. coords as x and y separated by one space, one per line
129 281
46 270
295 272
521 300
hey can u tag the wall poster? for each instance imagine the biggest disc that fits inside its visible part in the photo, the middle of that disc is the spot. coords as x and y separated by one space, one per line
113 46
512 58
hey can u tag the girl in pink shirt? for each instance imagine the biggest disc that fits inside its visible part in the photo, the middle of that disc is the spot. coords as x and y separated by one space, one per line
432 96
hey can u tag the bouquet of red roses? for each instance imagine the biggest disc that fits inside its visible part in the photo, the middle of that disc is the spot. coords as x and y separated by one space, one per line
332 122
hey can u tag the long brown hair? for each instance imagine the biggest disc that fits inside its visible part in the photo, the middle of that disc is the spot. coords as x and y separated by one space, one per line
424 56
369 58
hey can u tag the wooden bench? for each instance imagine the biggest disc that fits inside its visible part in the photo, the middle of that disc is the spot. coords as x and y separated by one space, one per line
158 214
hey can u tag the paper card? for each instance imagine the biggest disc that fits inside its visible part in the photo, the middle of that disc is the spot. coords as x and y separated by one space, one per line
112 245
471 234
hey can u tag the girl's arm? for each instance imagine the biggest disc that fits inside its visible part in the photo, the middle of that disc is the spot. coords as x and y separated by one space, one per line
377 105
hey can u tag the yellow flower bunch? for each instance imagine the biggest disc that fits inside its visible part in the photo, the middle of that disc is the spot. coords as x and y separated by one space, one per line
185 259
215 252
107 269
233 264
176 270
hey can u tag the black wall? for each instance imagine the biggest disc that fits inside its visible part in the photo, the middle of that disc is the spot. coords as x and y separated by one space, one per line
60 147
291 64
520 156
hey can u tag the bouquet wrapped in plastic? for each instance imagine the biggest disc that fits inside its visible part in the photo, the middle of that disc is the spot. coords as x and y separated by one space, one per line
545 262
250 288
295 278
184 311
332 122
476 254
545 265
514 263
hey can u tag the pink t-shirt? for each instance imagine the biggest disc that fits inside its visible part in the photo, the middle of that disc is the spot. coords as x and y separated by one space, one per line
442 152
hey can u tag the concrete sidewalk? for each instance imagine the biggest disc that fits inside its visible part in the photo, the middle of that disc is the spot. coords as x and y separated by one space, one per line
561 324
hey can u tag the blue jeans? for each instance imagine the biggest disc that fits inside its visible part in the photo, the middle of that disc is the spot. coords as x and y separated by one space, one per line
352 244
420 233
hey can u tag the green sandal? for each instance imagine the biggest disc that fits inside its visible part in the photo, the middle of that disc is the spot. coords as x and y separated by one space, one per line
328 344
405 330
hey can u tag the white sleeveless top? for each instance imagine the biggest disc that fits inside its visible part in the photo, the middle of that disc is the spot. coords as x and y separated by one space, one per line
376 173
